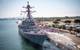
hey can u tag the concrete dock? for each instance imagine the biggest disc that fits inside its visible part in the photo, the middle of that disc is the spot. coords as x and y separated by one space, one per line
69 41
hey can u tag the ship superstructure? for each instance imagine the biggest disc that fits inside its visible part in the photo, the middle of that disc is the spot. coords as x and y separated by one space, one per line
29 29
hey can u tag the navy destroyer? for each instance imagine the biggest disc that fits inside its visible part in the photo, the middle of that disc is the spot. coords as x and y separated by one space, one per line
29 29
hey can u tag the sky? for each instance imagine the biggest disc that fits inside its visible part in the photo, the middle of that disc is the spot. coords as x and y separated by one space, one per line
46 8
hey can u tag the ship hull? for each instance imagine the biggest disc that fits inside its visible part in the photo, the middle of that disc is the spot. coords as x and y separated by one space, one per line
33 38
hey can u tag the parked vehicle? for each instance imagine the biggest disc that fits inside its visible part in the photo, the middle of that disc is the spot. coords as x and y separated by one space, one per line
78 27
77 32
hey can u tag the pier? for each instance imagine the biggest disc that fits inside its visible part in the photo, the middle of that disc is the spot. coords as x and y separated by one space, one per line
65 41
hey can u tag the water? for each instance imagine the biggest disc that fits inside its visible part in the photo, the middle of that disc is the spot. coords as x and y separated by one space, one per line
10 38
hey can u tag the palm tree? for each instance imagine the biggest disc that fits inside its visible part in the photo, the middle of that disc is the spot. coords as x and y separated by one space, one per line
77 21
56 23
67 22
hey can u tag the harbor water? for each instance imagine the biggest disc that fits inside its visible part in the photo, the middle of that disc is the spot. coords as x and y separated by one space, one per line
10 38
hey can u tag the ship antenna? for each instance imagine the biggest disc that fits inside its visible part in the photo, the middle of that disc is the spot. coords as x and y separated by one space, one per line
28 10
28 2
